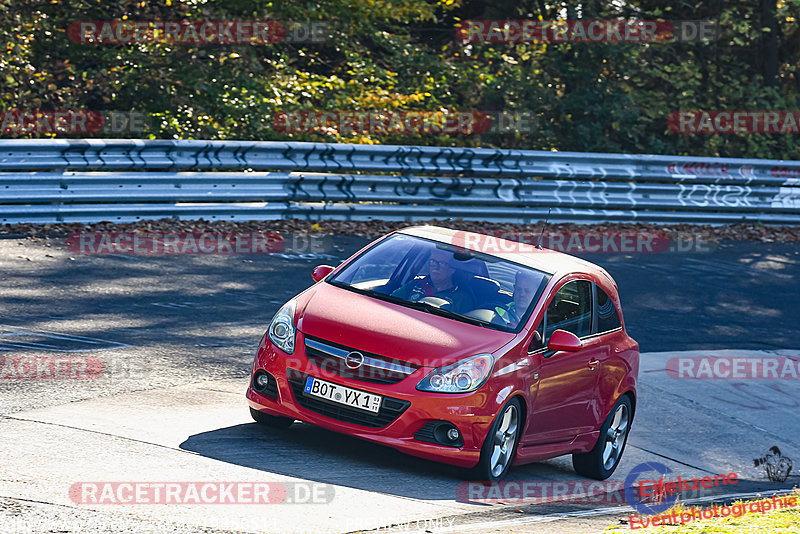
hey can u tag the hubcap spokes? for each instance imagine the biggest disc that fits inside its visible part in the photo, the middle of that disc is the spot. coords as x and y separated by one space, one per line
615 437
503 441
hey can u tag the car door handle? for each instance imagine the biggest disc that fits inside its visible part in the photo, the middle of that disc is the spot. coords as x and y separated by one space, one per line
593 364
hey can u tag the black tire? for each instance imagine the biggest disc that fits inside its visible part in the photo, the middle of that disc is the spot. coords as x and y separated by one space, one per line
489 468
273 421
601 462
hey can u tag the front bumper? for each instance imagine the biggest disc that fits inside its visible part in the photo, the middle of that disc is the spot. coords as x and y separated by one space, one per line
404 411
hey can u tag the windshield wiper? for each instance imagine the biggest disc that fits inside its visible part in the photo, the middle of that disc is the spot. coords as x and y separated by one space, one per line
370 293
430 308
423 306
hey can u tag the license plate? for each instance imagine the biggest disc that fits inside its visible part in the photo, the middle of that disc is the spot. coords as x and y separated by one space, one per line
342 395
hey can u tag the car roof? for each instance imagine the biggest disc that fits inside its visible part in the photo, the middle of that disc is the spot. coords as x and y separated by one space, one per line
547 260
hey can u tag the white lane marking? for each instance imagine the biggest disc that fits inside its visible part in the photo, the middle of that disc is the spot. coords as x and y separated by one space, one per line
173 304
8 333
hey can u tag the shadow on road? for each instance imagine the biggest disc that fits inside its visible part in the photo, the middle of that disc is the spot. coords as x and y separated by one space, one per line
313 453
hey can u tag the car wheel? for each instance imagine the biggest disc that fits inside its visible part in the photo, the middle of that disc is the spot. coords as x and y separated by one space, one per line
273 421
500 445
603 459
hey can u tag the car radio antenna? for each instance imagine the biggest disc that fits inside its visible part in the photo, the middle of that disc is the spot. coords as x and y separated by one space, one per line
541 234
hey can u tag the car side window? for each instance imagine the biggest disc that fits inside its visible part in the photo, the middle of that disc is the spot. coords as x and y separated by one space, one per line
571 309
607 316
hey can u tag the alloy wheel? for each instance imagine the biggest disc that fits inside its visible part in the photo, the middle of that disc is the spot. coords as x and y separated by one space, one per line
615 437
504 440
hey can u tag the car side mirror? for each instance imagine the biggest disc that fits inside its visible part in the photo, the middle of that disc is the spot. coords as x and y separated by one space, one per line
561 340
321 271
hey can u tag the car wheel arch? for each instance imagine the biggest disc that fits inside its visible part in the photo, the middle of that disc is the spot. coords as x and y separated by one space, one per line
523 402
518 393
524 406
626 393
632 396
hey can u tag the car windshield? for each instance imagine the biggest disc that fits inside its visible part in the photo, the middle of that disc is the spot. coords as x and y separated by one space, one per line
446 280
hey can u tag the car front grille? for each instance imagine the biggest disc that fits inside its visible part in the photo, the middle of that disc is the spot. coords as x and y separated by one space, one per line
333 358
390 409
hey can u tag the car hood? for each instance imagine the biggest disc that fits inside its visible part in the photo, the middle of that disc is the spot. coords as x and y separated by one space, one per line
372 325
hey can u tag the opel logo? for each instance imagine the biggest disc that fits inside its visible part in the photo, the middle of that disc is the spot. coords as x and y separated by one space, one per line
354 360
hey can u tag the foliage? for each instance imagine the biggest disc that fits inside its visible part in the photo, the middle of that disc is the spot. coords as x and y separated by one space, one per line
404 55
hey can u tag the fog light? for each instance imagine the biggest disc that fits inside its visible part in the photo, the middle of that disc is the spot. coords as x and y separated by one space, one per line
440 432
262 381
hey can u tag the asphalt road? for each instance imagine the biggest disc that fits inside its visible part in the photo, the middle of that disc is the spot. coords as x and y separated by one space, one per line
176 336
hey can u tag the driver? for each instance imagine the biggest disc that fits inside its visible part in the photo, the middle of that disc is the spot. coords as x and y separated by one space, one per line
439 283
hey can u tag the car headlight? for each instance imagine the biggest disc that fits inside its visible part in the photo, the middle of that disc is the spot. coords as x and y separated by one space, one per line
281 330
461 377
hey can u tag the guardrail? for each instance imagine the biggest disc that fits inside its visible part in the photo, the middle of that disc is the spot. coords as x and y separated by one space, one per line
128 180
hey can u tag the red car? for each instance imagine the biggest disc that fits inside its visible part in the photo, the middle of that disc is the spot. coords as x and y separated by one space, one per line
456 347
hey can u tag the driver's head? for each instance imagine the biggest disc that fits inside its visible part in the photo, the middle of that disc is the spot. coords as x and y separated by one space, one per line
524 289
441 271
